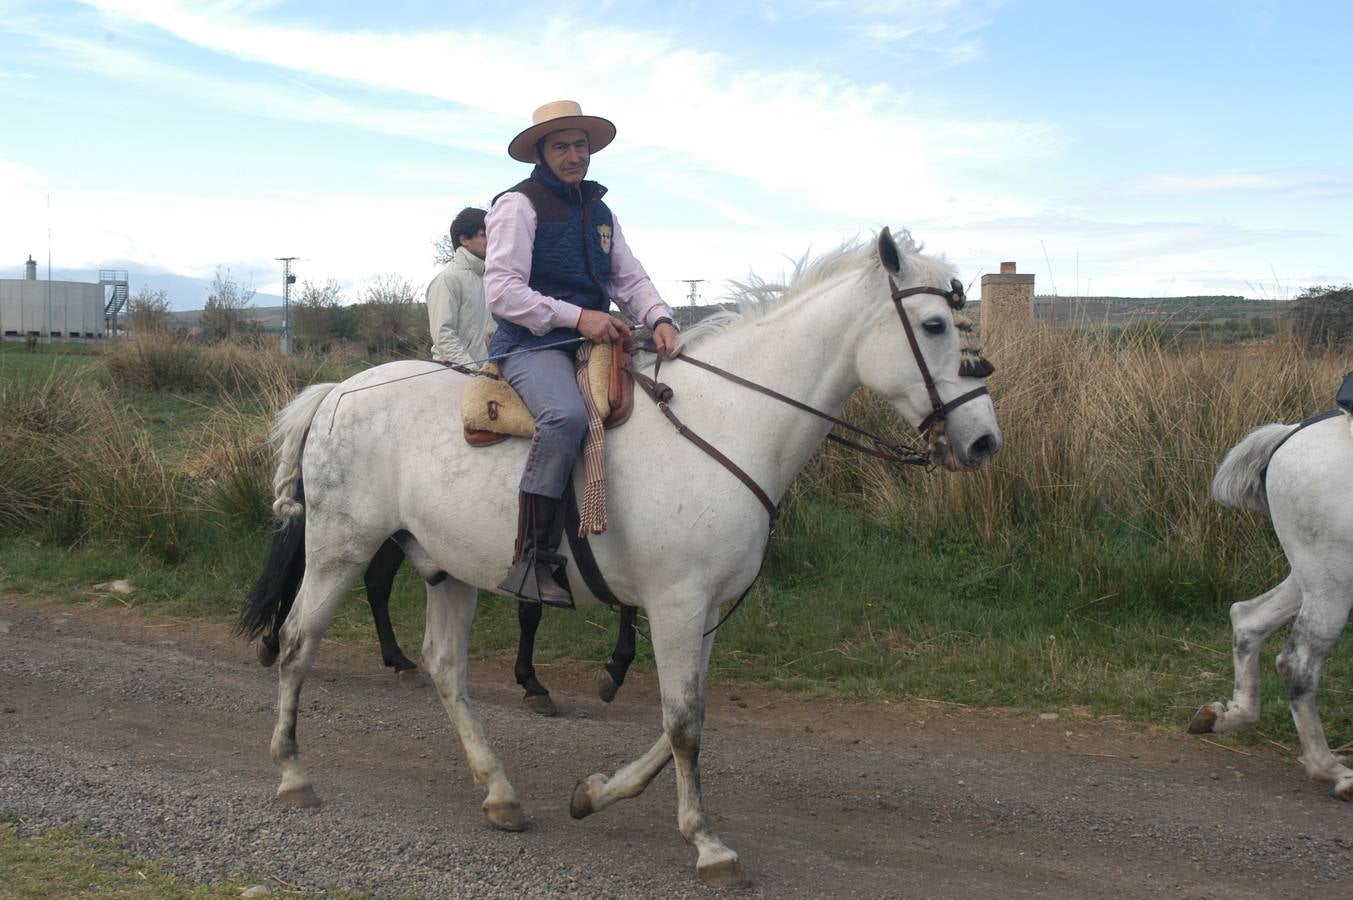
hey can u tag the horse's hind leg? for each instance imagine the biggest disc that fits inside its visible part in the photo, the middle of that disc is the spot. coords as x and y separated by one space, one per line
612 675
446 647
537 698
1301 662
380 581
1252 623
322 590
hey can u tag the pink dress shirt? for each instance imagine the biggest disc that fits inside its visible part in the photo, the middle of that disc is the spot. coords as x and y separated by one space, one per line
511 230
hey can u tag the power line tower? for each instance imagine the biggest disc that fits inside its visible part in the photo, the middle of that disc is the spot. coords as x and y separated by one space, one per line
694 294
288 280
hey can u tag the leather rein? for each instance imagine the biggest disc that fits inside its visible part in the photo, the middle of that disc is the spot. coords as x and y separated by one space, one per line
881 448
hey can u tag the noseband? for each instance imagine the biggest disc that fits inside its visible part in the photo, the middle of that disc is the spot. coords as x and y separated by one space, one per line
939 410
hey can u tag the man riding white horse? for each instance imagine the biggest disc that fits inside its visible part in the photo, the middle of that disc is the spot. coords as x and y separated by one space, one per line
556 259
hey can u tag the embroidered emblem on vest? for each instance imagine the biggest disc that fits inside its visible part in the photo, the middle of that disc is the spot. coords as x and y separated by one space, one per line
604 232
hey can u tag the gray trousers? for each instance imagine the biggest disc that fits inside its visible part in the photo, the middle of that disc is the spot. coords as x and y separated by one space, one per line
546 382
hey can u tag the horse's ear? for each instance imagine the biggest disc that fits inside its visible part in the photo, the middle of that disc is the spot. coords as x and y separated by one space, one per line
889 255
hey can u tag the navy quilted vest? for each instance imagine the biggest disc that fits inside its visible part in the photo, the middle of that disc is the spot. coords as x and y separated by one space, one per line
571 256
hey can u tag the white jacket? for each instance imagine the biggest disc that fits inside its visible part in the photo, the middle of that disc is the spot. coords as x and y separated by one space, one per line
458 318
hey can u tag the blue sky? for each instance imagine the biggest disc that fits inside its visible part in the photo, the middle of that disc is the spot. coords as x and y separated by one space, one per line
1136 149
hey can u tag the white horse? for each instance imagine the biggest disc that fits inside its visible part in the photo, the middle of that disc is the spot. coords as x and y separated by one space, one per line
383 456
1307 495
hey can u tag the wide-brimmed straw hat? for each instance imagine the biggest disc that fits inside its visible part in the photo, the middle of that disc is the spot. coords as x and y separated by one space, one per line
557 116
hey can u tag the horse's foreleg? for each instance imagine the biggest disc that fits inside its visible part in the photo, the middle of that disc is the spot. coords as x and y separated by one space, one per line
446 647
682 654
321 591
596 792
380 581
537 698
1252 623
1301 663
611 676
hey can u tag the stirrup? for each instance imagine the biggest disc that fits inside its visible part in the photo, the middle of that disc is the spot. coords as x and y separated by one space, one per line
523 582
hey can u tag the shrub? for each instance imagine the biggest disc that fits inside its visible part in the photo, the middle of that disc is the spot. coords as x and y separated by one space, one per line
1323 316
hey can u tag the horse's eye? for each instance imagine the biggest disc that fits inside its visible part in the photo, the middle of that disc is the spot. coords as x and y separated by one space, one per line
934 326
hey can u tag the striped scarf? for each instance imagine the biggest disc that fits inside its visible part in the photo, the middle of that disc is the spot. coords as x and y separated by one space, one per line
592 511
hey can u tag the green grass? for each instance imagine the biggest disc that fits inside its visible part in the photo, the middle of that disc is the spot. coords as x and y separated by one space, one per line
62 863
18 363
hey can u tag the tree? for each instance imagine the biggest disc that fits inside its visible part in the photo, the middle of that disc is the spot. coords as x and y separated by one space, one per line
148 312
229 309
443 249
391 320
1323 316
314 314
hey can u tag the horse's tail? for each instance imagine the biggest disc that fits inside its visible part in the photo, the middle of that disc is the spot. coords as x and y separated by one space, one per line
1239 481
288 440
271 597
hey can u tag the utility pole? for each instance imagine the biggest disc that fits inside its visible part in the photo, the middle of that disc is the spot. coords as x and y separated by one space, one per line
288 280
694 294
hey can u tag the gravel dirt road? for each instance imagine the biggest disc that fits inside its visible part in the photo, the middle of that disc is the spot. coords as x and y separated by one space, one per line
156 731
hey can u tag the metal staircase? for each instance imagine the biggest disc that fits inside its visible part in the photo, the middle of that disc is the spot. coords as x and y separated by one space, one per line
114 300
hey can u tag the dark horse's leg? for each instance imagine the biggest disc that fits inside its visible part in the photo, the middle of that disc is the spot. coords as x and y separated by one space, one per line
608 680
379 580
611 676
537 699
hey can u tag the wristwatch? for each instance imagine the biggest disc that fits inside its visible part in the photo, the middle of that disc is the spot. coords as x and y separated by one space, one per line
660 319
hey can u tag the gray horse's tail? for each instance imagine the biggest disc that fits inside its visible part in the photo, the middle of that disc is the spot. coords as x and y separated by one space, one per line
288 440
1239 481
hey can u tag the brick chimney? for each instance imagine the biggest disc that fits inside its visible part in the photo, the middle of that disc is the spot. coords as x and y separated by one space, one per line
1007 304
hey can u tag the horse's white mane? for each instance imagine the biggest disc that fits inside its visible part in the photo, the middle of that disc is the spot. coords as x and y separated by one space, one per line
757 298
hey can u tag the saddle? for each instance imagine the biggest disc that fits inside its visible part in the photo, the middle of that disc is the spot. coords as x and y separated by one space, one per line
492 411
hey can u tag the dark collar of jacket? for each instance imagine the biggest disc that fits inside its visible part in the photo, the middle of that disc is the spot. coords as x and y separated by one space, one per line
584 193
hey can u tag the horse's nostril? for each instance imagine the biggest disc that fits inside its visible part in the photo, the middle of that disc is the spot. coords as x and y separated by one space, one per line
982 447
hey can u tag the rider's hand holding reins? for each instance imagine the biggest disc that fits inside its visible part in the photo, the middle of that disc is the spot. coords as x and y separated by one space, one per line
602 328
666 340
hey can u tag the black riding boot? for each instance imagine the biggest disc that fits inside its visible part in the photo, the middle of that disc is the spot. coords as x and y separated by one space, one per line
540 526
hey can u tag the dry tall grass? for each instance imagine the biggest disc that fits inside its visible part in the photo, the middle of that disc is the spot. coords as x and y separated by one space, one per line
165 363
1100 441
77 464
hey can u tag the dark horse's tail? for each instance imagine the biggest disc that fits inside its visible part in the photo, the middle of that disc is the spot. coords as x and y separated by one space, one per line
271 597
270 600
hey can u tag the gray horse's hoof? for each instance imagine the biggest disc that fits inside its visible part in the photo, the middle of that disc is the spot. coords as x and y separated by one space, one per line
266 655
580 804
606 686
299 798
540 704
726 873
1204 721
507 816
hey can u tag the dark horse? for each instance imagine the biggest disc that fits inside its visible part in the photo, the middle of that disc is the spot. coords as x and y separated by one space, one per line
275 590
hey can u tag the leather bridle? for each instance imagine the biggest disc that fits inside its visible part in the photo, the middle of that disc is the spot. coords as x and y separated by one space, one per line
939 410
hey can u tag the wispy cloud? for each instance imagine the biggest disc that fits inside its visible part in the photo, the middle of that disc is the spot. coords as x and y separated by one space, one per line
776 128
1289 182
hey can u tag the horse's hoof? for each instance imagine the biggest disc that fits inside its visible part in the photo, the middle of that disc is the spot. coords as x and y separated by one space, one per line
726 873
411 678
303 797
580 804
507 816
266 655
1343 789
1204 721
606 686
540 704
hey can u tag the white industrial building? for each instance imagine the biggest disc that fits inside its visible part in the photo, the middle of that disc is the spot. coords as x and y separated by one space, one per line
60 310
